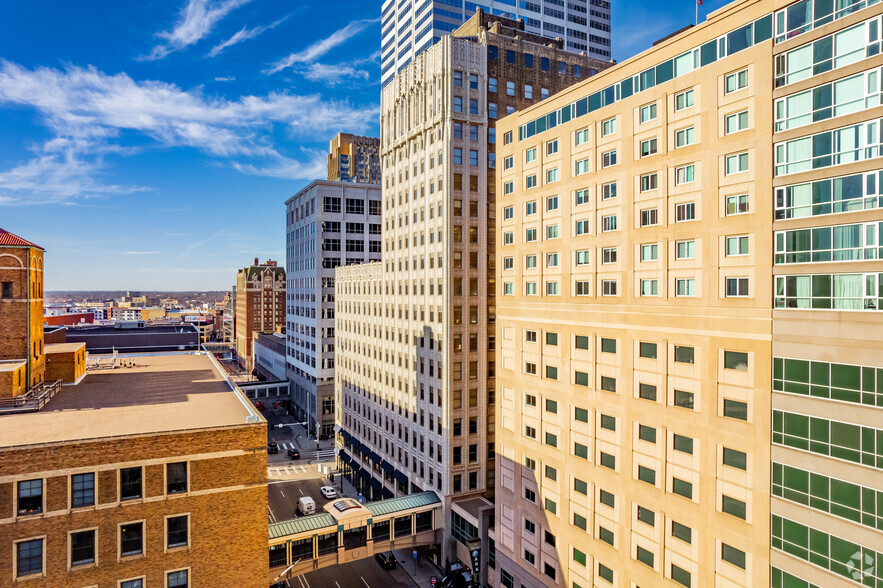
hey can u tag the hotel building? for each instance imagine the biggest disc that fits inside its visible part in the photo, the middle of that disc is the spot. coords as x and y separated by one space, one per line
414 333
689 344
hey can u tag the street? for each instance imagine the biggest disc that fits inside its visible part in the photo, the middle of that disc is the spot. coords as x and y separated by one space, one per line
365 574
283 497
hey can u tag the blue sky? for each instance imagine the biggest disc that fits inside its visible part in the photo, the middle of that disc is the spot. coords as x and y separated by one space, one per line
151 145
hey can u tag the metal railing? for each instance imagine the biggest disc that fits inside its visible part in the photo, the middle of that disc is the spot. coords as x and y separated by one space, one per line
32 400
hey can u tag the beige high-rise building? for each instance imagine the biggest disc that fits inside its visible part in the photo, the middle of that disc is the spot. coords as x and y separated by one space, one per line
414 368
689 345
352 158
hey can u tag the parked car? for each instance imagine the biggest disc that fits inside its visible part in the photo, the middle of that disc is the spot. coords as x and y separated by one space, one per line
293 454
272 447
387 559
260 405
279 585
328 492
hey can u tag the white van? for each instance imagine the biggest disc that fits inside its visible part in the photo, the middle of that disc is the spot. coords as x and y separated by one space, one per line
306 505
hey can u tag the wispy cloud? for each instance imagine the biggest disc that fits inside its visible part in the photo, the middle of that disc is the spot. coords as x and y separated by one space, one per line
244 34
89 111
323 46
140 252
341 73
225 79
195 21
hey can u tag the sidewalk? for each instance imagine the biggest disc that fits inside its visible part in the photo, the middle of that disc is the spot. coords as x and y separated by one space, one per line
420 572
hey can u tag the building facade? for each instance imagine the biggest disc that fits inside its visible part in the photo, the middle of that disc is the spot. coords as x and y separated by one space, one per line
415 368
683 400
354 159
328 224
260 305
21 307
410 27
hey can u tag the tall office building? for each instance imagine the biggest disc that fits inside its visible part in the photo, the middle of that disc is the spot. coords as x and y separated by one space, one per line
409 27
328 224
354 159
415 369
689 343
260 305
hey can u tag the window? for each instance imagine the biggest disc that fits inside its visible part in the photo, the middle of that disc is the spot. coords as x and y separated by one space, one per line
582 137
508 238
647 475
508 213
552 147
530 495
685 137
736 81
177 531
6 291
608 255
736 163
608 127
681 576
458 156
737 287
647 434
458 104
530 368
733 123
682 488
608 422
531 181
685 287
648 113
552 374
606 498
608 288
30 497
649 217
473 157
608 191
685 174
608 345
647 391
736 360
608 158
737 245
29 557
458 79
530 208
649 252
608 384
130 483
735 409
176 477
735 459
582 228
551 231
530 261
551 473
529 557
737 204
530 155
82 544
608 461
684 399
582 197
648 147
510 88
685 249
551 440
649 287
530 288
646 516
684 100
606 535
492 84
131 539
608 223
530 432
582 167
683 354
644 556
605 572
82 490
530 526
528 92
647 350
683 444
177 579
473 132
732 555
551 203
649 182
508 162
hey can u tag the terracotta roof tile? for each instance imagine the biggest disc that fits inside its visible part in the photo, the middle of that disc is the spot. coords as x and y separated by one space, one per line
7 239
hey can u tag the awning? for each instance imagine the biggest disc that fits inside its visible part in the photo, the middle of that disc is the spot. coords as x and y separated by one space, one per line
374 457
403 478
345 458
366 475
345 435
387 467
386 493
364 449
376 484
357 447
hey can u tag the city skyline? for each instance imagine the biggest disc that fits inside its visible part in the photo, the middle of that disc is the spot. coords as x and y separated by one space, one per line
98 170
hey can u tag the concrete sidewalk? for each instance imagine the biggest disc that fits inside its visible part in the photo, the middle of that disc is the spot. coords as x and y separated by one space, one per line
419 572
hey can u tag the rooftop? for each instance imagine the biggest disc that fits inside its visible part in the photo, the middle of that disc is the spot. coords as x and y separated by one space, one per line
8 239
63 347
160 393
10 365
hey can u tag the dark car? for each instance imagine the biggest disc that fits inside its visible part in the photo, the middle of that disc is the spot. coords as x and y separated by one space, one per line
279 585
272 447
260 405
386 559
293 454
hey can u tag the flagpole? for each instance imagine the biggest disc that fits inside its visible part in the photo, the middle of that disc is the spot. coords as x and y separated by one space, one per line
697 13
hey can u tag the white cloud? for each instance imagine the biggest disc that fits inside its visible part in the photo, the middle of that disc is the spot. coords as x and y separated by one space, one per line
284 168
333 75
88 110
225 79
242 35
195 21
323 46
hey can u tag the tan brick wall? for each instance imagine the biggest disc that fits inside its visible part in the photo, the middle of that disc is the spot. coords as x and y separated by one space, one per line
227 505
67 366
21 318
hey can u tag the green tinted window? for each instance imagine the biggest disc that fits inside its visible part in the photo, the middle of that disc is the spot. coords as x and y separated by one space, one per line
608 422
644 556
580 486
682 532
581 414
607 499
646 433
683 444
605 572
551 338
648 350
735 409
582 342
605 535
608 345
682 488
580 450
735 459
732 555
646 516
581 379
681 576
683 354
581 522
579 557
608 384
551 372
646 474
608 461
734 507
735 360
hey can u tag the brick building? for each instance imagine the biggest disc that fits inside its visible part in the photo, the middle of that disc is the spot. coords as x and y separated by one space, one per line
152 475
260 305
21 306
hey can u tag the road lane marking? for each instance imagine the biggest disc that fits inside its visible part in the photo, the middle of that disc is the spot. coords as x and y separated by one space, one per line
287 471
366 583
301 491
336 584
282 493
306 582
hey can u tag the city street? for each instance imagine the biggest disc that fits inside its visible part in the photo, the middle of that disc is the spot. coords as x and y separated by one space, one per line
359 574
283 496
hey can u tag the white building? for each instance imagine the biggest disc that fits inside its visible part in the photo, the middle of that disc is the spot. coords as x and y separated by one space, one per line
409 27
328 224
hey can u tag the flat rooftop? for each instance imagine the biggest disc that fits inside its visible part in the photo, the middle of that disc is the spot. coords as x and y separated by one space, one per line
160 393
63 347
10 365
